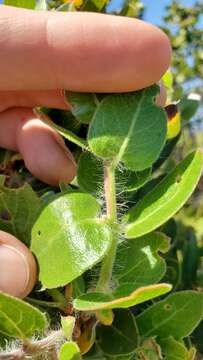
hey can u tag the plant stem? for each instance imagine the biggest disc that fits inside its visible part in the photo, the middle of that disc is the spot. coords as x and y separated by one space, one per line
36 348
43 303
69 135
58 297
111 212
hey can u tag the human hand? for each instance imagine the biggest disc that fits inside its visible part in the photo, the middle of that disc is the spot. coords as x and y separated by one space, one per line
43 53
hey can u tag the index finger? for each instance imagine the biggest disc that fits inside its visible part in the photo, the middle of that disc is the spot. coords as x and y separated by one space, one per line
79 51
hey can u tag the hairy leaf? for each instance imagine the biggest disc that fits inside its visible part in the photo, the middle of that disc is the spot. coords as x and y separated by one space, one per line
90 176
122 337
18 211
124 297
176 316
18 318
76 240
129 128
166 198
138 262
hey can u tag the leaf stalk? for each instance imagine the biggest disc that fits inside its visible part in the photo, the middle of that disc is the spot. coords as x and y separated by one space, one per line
111 213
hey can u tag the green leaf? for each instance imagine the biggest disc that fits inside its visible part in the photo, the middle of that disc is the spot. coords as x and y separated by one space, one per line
67 134
67 324
94 354
90 176
167 79
176 316
174 350
69 351
76 240
124 297
188 106
132 181
129 128
166 198
149 350
100 3
138 263
18 211
27 4
41 5
122 337
18 318
105 317
83 105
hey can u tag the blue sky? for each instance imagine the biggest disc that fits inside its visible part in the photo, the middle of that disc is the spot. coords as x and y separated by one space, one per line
154 8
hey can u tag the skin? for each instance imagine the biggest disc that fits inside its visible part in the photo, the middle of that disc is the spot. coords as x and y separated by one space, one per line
45 52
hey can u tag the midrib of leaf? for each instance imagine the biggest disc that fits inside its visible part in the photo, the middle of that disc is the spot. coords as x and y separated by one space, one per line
13 324
130 131
95 100
136 265
122 334
167 319
157 209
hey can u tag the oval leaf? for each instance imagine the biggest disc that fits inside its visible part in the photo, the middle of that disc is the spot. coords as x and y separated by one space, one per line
138 262
18 318
129 128
176 316
76 240
122 337
124 298
166 198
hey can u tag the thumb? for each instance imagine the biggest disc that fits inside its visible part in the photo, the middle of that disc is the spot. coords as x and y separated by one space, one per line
18 268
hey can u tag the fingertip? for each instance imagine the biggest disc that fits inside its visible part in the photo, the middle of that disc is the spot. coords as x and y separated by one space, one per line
44 153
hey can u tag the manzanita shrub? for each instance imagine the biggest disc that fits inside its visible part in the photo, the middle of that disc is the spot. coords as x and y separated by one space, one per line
105 290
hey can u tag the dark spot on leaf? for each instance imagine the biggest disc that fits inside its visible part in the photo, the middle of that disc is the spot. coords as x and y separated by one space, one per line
171 111
178 179
5 215
167 307
39 232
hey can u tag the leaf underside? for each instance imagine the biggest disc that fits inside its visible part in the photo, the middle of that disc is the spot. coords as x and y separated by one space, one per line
18 318
129 128
125 298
